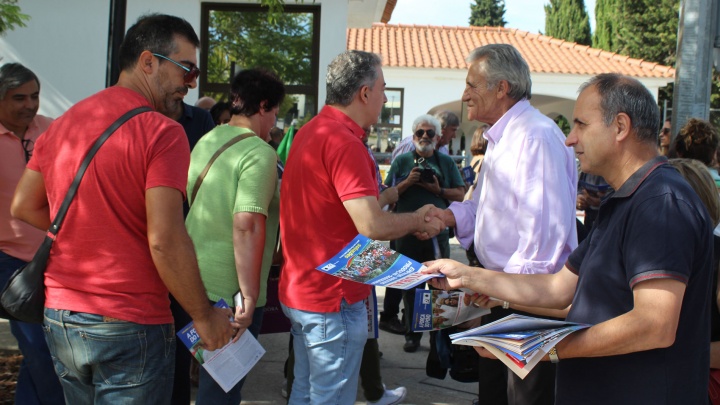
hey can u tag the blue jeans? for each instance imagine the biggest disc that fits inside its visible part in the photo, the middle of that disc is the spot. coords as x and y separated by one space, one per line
209 392
37 382
114 362
328 350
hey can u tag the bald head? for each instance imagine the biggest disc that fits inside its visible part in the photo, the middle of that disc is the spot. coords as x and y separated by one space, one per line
206 103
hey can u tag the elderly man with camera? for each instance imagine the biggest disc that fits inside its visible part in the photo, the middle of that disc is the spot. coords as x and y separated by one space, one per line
422 177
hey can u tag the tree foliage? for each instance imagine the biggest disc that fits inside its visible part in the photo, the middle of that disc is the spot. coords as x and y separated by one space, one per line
568 20
10 16
249 40
487 13
606 21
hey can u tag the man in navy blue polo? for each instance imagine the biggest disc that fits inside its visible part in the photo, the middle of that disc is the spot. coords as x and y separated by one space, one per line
642 277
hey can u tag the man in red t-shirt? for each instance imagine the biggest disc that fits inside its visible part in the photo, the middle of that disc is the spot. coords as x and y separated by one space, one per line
329 194
123 244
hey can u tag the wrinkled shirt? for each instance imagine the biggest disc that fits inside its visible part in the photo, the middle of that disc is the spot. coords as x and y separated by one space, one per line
522 212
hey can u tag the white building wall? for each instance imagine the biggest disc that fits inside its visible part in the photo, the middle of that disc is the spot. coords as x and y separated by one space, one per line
65 43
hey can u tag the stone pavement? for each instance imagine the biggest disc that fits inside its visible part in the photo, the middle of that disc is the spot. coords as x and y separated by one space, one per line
265 381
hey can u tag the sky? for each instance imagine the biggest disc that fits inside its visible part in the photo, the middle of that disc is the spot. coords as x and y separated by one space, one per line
527 15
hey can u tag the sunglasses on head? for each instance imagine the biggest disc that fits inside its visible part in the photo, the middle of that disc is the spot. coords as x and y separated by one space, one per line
190 73
420 132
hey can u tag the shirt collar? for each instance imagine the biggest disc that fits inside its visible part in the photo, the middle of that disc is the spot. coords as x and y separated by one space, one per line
495 132
342 118
33 125
637 178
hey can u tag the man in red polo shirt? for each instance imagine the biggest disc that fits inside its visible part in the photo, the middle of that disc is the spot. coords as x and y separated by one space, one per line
329 195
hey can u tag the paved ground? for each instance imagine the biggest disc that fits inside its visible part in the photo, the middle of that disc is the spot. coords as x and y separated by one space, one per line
398 368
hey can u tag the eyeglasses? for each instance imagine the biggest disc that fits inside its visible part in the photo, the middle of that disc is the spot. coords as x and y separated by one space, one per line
430 133
191 73
665 131
28 146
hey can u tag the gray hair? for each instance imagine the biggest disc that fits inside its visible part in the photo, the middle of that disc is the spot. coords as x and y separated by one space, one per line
14 75
622 94
503 62
427 119
447 118
348 73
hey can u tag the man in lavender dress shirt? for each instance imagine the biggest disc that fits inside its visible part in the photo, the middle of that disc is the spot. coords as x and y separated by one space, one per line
522 212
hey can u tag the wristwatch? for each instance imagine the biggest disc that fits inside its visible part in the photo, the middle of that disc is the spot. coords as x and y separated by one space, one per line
553 355
506 305
442 191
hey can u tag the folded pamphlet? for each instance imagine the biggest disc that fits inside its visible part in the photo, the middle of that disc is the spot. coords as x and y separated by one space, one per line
438 309
370 262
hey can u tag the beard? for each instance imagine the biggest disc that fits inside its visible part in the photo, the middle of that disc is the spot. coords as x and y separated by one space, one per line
424 147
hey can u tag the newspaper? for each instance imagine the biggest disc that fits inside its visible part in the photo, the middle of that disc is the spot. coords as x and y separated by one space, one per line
229 364
518 341
438 309
369 262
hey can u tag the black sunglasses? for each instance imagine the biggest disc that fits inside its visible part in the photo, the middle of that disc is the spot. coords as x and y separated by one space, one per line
430 133
191 73
28 146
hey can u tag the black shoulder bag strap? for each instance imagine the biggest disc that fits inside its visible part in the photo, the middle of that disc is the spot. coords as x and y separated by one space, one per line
57 222
222 149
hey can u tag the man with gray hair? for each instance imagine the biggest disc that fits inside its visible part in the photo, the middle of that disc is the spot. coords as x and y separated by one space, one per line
521 217
449 123
423 176
642 278
329 194
20 126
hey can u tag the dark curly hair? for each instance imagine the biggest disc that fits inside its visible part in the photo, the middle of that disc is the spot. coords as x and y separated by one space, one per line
251 87
698 139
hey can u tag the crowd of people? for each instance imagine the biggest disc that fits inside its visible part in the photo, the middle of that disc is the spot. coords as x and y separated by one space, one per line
186 205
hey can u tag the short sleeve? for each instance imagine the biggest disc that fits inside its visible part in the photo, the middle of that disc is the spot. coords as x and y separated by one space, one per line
257 180
169 159
352 172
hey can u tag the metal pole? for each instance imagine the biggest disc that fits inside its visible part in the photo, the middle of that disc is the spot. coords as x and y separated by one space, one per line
116 34
693 75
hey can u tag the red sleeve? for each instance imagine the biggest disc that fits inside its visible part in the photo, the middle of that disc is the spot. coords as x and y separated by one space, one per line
352 172
169 159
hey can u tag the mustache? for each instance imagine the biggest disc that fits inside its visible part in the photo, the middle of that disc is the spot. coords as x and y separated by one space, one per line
183 90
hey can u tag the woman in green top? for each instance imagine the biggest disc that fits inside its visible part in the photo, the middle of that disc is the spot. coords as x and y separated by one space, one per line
234 216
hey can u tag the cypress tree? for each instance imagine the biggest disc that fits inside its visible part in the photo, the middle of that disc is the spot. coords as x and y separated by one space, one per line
568 20
487 13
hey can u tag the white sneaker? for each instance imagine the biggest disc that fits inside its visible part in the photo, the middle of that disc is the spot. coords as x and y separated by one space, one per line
391 397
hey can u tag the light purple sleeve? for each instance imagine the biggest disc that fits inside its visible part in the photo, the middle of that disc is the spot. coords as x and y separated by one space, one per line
545 190
465 214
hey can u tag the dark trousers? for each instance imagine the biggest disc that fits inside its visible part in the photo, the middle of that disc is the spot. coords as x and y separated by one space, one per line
391 303
497 385
181 383
37 382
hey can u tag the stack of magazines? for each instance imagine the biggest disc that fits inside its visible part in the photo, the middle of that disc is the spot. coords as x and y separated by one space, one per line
518 341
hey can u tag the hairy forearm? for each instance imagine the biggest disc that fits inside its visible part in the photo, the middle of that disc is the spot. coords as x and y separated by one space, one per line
529 290
174 258
454 194
389 226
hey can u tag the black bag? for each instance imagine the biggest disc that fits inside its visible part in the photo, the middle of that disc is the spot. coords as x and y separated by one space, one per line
23 297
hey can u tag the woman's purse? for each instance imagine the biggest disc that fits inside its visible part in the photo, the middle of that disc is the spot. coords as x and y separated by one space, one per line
23 297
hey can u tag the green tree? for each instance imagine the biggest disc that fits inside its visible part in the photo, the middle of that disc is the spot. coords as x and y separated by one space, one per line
568 20
487 13
606 21
10 16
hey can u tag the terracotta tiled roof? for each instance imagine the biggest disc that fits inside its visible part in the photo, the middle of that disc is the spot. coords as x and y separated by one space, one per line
444 47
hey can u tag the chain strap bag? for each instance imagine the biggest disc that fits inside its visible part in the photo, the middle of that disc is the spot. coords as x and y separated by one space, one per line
23 297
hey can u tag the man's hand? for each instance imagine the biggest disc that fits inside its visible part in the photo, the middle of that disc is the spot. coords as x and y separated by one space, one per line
453 271
484 353
413 177
582 204
244 318
433 187
388 196
430 228
215 329
433 213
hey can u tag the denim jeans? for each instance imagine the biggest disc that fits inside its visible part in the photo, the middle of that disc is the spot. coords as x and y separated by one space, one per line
113 362
37 382
209 392
328 350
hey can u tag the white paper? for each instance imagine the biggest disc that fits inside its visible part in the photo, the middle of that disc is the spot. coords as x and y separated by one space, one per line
229 364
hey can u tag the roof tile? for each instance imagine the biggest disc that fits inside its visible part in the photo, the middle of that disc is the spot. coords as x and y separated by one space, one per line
425 46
